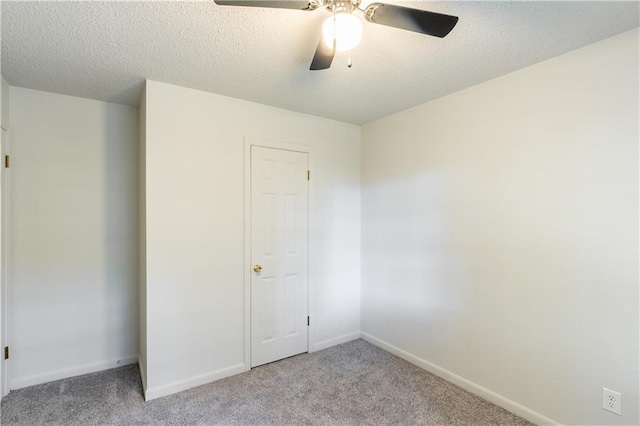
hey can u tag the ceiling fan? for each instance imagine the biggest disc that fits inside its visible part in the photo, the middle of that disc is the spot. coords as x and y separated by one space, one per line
343 30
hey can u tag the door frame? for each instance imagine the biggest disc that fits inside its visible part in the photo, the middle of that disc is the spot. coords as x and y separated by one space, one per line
285 146
5 294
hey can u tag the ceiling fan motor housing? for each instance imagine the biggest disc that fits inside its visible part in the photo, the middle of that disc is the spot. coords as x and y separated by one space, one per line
341 5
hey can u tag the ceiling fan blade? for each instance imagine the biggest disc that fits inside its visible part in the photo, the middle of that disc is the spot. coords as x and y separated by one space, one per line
277 4
420 21
323 56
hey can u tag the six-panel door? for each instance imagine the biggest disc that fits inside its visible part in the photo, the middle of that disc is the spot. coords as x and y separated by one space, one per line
279 254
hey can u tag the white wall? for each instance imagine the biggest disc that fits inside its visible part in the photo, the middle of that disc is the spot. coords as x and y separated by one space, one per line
195 230
142 239
500 234
73 236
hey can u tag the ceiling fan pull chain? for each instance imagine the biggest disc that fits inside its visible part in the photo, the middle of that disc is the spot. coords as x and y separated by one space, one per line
334 22
349 60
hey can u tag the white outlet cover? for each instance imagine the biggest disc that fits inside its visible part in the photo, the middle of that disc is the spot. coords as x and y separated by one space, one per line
612 401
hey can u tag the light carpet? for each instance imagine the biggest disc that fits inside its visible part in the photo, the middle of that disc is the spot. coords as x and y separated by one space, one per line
355 383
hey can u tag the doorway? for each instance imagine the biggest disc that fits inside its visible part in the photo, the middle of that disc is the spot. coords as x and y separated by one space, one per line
278 253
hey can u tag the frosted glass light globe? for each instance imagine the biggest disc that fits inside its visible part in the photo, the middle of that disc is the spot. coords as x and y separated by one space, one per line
345 28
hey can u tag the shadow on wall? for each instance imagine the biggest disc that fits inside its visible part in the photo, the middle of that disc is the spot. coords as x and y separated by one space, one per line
131 95
120 230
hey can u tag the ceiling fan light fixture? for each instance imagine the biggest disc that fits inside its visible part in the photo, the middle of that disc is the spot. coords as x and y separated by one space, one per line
344 28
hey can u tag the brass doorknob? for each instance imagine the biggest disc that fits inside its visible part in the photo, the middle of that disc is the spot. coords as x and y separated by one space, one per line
257 268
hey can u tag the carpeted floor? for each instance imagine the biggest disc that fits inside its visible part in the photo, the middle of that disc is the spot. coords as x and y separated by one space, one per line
354 383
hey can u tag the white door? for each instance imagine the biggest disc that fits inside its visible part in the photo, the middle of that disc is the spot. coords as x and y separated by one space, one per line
4 382
4 259
279 254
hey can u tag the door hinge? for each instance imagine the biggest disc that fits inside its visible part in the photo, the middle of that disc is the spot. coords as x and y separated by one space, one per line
308 174
6 352
308 321
7 161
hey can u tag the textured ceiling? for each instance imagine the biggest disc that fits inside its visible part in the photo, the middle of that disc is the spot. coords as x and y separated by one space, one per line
104 51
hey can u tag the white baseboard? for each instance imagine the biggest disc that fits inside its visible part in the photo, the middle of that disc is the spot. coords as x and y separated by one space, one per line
24 382
143 374
484 393
324 344
192 382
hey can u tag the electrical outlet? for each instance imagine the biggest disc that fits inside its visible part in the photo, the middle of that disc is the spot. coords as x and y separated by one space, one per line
612 401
